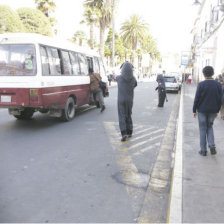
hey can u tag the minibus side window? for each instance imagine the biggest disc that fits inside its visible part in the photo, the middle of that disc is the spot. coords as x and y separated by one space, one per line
83 64
96 65
102 68
90 63
75 63
54 60
44 61
67 67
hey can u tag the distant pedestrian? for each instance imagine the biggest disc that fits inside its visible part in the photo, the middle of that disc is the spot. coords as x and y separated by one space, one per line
95 90
126 83
189 78
110 77
161 89
220 79
207 103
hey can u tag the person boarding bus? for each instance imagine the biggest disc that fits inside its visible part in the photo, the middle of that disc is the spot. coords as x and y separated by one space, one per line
39 73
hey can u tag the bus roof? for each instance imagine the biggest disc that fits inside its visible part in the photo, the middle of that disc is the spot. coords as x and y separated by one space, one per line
34 38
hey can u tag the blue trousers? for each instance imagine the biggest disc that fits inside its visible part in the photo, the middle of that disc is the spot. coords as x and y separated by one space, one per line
205 121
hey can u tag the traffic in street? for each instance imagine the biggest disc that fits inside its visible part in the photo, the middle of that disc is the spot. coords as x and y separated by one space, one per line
80 171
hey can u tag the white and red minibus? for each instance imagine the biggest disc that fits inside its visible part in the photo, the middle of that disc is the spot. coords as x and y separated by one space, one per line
39 73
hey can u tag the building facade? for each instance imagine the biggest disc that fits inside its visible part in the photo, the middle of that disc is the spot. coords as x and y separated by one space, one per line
208 38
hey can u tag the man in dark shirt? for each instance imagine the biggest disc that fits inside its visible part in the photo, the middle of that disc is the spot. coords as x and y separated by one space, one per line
207 103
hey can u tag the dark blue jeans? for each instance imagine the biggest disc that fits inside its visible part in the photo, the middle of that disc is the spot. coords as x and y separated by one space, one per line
205 121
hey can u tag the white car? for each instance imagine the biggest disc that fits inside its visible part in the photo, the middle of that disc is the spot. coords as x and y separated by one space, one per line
178 76
171 84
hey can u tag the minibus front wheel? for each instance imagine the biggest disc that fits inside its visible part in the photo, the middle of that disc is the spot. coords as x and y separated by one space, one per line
69 111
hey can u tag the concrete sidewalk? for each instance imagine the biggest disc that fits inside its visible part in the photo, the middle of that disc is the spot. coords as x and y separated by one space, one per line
200 185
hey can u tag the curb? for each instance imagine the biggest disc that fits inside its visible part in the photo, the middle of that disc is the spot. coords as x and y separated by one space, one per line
157 197
175 207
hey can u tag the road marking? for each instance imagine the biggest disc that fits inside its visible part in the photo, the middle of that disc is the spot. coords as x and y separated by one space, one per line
144 130
143 136
134 181
140 143
146 149
175 208
128 169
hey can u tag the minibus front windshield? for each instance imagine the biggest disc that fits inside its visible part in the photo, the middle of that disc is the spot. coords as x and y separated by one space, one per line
17 60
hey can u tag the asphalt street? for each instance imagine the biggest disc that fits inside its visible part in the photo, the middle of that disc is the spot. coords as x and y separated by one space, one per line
80 171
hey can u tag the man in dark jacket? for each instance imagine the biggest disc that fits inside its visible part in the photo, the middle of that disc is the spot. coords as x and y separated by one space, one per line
95 89
126 83
207 103
161 89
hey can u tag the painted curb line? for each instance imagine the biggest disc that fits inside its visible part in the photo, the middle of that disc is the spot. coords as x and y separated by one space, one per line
175 208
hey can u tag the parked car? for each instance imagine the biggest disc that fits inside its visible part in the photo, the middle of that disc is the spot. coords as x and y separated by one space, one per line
179 78
171 83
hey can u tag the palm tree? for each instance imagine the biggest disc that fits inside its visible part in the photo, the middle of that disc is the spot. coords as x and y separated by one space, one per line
91 17
133 32
149 46
47 7
105 7
80 36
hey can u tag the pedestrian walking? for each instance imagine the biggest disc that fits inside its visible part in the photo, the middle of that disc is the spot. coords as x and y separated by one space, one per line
207 103
220 79
95 90
126 83
189 78
161 89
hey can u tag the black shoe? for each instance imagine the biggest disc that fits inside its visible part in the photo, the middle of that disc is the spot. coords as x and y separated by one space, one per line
124 138
103 108
129 133
203 153
213 150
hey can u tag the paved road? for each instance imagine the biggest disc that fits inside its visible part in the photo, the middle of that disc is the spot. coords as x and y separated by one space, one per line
79 171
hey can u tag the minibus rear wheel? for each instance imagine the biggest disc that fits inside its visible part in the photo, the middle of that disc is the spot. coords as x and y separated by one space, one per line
69 112
26 114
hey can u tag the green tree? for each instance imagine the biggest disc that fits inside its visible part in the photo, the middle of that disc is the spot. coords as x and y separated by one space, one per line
91 17
133 32
106 8
119 47
150 47
35 21
47 7
9 20
80 36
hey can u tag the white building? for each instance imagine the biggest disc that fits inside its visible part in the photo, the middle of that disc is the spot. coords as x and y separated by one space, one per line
208 38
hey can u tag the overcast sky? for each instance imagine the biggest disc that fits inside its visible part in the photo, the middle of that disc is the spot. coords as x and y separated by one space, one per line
170 21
